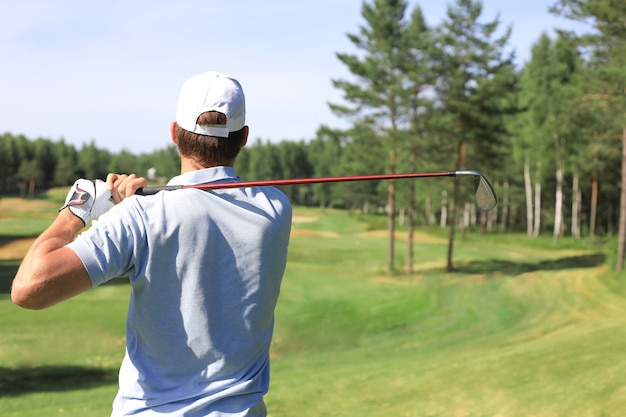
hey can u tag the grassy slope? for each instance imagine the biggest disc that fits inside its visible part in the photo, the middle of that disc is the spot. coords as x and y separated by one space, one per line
520 329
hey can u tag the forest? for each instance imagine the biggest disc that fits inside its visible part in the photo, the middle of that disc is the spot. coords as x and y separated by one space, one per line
549 135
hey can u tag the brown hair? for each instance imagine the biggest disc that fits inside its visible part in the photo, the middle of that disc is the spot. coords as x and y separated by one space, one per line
210 150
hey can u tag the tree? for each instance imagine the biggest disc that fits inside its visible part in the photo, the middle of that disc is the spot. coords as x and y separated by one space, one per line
93 162
294 163
417 100
361 156
263 161
46 160
599 156
565 96
66 163
377 93
527 149
8 160
475 79
324 154
30 174
552 93
123 162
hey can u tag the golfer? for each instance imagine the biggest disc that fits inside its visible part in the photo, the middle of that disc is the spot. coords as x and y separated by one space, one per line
205 267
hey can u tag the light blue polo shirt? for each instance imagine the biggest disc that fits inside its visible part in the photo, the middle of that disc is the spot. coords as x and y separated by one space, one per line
205 270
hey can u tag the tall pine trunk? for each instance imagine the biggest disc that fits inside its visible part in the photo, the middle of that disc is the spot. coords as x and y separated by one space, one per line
412 210
505 207
452 206
443 219
529 198
537 204
621 238
576 197
537 216
594 206
31 187
391 214
460 158
558 205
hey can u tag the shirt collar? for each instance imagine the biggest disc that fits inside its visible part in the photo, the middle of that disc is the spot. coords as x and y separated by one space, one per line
203 176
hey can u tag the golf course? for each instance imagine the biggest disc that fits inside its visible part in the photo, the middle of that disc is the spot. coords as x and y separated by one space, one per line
522 327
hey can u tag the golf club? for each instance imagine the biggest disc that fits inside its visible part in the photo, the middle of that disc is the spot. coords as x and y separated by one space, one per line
485 196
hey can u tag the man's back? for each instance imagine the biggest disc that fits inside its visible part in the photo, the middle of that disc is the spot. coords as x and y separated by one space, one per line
205 271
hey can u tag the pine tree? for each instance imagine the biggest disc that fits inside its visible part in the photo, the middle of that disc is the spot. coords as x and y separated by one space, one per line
418 102
324 153
376 94
476 78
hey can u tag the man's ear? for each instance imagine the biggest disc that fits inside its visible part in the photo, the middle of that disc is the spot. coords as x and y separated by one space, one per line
246 130
173 133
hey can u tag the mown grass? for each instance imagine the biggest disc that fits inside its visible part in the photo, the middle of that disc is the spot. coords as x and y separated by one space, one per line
519 329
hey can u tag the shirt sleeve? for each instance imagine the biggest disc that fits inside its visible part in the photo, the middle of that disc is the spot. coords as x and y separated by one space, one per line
110 247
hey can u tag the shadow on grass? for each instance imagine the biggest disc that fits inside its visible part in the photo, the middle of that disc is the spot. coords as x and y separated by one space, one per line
8 269
512 268
20 381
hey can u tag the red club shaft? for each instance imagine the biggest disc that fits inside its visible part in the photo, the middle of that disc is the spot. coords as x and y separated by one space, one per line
293 181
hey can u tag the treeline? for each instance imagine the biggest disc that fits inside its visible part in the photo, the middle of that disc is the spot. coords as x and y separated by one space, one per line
27 165
435 98
30 165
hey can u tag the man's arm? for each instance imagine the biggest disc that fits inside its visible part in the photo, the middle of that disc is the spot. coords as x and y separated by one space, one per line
51 272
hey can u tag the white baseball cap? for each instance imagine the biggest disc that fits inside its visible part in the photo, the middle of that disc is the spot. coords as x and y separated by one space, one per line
211 91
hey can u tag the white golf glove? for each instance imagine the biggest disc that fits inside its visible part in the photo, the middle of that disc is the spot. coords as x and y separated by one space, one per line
88 199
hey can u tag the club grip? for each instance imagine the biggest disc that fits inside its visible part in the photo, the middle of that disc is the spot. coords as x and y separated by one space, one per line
154 190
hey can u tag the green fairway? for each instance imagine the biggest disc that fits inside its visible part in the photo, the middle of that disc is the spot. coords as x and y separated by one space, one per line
522 328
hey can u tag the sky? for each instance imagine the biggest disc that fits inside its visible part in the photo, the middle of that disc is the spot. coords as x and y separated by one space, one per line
110 71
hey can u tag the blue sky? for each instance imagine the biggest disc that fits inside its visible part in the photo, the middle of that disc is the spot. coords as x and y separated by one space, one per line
111 71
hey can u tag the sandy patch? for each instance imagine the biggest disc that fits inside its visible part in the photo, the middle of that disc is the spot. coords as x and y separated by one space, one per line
418 237
312 233
308 233
9 204
303 219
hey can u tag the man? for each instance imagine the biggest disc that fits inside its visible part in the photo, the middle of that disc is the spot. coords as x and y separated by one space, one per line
205 267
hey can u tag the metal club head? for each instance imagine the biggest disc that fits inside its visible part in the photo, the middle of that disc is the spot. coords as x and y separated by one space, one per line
485 196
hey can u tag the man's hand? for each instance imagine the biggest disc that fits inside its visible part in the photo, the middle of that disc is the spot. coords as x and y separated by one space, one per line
88 199
122 186
52 272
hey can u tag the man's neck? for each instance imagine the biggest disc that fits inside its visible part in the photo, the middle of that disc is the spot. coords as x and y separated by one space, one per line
188 165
